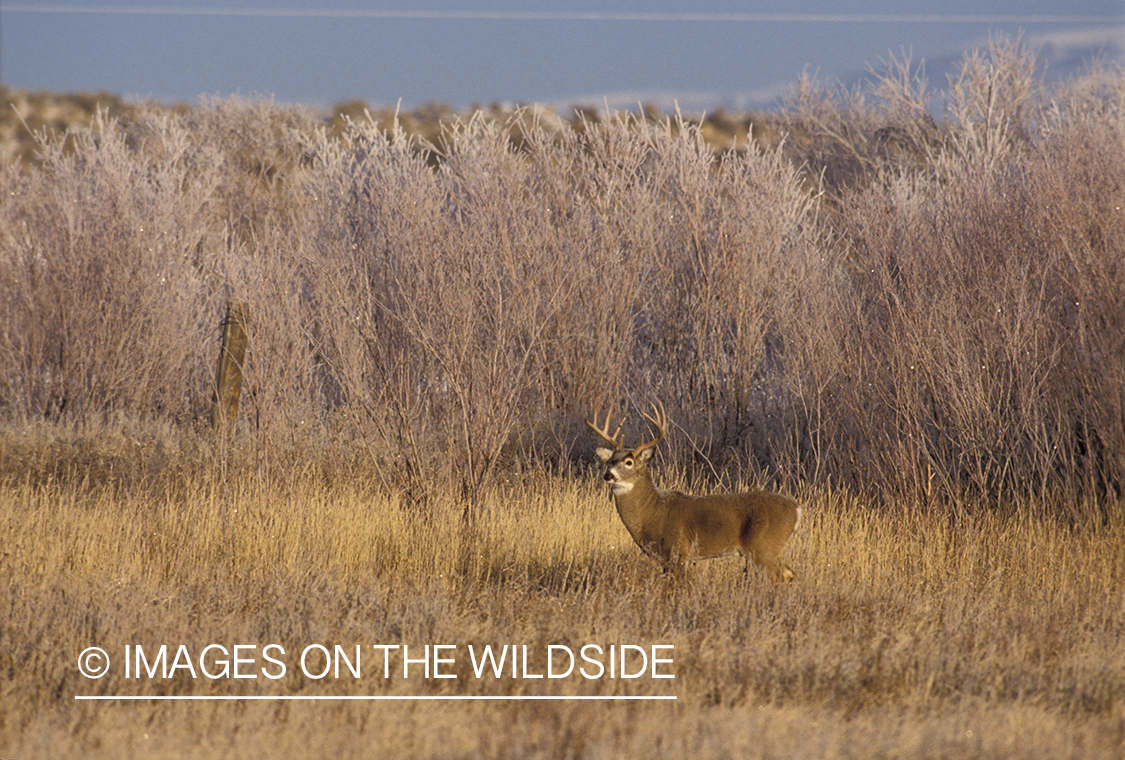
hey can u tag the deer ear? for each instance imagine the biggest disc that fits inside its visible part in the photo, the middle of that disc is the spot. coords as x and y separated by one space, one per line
603 454
646 455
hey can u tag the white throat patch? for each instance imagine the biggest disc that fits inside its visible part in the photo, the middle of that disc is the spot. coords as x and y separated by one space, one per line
620 488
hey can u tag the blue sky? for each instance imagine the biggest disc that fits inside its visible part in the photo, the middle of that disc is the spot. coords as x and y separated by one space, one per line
479 51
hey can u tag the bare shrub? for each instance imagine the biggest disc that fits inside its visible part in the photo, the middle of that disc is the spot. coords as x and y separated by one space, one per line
977 285
505 288
102 272
993 100
438 291
915 308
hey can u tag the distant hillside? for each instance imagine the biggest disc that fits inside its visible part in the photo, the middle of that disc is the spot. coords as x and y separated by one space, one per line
1060 56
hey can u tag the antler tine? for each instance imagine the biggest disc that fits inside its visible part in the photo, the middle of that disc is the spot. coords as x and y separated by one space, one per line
617 439
660 420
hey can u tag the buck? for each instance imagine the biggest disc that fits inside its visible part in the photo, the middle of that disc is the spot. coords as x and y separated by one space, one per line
677 528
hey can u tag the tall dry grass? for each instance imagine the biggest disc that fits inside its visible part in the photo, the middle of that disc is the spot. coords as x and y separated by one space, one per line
917 634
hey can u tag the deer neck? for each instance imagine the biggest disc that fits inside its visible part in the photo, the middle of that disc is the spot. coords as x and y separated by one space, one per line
642 509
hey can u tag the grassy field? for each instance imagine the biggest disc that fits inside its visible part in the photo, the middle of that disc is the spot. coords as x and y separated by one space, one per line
910 633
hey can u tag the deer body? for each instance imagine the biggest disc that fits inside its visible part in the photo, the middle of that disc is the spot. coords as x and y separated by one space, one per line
676 528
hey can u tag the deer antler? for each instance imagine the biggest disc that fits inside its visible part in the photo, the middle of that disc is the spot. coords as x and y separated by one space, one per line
617 440
660 420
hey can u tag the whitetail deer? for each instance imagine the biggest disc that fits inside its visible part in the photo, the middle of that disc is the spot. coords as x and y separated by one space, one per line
676 528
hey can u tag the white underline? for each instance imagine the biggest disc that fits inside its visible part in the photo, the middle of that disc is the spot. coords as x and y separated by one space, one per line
368 698
471 15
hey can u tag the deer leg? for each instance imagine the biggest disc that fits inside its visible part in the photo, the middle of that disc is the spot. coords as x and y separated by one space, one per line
778 570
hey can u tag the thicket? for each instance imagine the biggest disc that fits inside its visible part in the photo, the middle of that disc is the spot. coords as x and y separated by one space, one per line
918 308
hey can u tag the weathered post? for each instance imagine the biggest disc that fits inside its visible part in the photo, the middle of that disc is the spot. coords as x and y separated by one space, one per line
228 380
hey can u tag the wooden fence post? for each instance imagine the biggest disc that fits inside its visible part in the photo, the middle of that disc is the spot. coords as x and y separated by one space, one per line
228 380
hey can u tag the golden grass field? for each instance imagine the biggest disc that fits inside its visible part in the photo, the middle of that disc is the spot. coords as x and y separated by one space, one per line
912 632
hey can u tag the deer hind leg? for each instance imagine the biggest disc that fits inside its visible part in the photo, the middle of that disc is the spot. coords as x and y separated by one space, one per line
768 559
778 570
765 545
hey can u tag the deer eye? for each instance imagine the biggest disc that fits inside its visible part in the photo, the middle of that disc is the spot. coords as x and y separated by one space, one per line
629 462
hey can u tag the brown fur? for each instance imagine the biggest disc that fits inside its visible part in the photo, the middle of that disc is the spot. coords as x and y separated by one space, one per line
676 528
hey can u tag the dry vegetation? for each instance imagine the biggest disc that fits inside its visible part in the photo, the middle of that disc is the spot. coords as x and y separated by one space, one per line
910 634
912 325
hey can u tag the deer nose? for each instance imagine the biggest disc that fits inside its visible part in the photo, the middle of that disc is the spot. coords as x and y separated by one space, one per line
608 476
